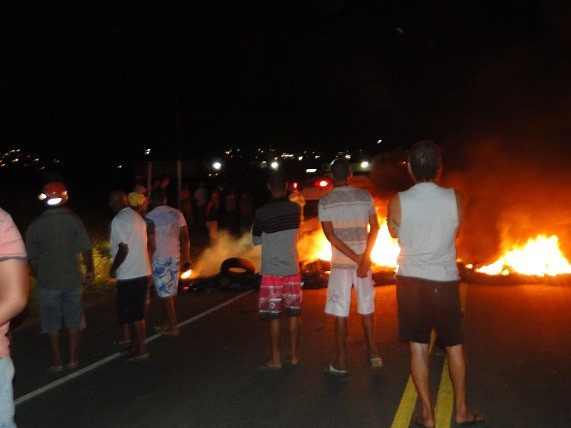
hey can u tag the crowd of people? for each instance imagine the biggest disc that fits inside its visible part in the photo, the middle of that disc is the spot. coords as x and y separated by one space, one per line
149 241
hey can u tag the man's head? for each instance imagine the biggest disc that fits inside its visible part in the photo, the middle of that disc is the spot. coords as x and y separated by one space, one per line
277 183
158 197
341 169
424 161
54 194
137 201
118 200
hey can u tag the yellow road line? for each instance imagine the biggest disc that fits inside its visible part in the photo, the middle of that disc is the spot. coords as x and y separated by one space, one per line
444 399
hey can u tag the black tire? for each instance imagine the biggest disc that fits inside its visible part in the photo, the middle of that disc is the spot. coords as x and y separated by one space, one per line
236 267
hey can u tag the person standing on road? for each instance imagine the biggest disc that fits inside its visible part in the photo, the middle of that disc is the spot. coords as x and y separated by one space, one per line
138 202
426 220
200 199
349 221
53 242
276 229
173 251
213 211
132 269
14 288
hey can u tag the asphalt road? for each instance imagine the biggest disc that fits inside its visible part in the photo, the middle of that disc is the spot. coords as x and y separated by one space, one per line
518 347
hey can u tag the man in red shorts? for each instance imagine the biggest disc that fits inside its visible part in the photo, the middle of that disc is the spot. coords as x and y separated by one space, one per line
276 229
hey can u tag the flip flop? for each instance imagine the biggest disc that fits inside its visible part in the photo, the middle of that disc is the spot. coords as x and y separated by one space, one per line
376 362
266 366
331 369
141 357
477 418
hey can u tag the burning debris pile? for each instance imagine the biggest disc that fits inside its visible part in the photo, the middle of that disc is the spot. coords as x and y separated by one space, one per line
540 260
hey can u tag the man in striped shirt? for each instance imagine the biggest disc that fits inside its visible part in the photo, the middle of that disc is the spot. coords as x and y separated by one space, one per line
349 221
276 228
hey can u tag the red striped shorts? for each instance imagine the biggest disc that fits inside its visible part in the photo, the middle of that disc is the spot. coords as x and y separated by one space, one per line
279 293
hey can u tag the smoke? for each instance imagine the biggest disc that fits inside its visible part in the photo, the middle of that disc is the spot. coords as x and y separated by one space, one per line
512 161
514 190
225 246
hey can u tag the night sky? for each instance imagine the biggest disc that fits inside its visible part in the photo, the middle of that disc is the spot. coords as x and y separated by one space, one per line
115 78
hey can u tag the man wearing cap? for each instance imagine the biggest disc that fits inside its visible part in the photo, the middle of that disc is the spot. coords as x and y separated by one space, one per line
53 242
131 268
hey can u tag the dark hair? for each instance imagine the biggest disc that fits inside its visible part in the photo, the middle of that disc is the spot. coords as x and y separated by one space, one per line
277 181
341 169
158 196
425 160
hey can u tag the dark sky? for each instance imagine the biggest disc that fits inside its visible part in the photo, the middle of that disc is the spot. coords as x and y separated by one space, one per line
117 77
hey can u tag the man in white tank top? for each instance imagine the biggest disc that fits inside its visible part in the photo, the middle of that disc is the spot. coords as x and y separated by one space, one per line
426 219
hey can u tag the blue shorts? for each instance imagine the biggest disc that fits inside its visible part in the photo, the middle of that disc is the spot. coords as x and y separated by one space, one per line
132 295
7 407
165 277
61 305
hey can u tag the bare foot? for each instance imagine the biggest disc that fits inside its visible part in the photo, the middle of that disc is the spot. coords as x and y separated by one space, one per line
293 360
471 418
422 421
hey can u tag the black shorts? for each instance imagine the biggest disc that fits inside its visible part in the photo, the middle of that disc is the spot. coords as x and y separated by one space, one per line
425 304
132 295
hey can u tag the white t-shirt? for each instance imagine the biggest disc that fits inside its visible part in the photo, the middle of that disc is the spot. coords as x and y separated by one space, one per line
168 221
129 228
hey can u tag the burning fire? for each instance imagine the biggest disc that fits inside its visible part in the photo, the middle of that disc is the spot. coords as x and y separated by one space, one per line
540 256
385 251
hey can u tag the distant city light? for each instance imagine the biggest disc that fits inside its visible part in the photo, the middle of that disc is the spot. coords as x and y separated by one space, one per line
216 165
311 170
147 152
364 164
379 141
275 165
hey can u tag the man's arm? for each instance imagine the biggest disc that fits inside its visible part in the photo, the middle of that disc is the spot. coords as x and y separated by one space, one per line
257 229
89 267
460 207
365 264
14 288
119 259
329 232
394 216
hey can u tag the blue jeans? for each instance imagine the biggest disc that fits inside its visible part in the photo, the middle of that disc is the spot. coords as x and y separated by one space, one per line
6 393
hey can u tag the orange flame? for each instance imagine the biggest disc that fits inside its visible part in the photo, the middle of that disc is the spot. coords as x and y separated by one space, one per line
385 251
540 256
